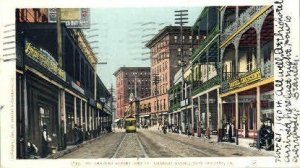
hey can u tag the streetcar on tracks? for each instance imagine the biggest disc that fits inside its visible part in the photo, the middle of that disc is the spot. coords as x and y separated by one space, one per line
130 124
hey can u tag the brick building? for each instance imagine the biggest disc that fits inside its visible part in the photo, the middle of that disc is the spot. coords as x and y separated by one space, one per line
32 15
164 55
135 80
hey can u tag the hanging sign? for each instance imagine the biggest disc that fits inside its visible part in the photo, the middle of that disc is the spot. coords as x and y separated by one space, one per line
72 17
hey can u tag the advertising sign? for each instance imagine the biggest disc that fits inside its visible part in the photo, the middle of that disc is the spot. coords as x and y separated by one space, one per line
72 17
251 77
44 58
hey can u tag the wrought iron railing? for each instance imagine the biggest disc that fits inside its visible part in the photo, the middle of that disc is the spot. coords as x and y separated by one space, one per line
227 76
239 22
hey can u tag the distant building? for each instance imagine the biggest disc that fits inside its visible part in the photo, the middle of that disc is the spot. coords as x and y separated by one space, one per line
32 15
131 80
164 55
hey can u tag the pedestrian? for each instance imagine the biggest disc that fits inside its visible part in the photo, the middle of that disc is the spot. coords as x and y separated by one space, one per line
76 134
31 150
45 140
230 132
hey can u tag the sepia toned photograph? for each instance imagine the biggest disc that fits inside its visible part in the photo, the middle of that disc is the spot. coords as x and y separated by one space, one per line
132 85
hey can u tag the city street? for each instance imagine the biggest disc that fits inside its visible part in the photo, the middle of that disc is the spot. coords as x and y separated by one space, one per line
154 144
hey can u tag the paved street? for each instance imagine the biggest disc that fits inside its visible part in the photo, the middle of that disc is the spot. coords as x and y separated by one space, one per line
153 144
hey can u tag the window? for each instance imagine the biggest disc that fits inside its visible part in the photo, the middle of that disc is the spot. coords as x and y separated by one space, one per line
44 116
175 39
190 39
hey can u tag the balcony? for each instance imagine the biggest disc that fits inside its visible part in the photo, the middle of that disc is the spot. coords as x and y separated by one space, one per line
228 76
205 42
268 69
206 85
239 22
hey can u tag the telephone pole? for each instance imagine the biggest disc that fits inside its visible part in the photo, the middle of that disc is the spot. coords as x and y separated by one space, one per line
155 81
181 18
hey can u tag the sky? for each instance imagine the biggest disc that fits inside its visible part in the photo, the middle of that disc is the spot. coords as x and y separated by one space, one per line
118 35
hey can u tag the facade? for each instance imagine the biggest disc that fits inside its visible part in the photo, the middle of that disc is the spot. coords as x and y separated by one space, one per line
58 95
145 111
247 54
131 80
205 75
164 52
32 15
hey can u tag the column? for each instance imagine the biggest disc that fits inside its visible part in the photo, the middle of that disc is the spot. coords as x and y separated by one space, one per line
207 111
258 122
199 116
236 115
192 116
98 119
90 118
259 61
85 114
81 116
75 110
236 60
219 109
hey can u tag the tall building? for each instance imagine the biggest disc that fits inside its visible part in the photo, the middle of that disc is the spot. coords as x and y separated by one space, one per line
164 55
56 94
131 80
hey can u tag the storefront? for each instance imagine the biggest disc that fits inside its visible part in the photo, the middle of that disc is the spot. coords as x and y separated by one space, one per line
249 103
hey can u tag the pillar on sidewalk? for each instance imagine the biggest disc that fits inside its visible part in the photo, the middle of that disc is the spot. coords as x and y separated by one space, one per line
237 118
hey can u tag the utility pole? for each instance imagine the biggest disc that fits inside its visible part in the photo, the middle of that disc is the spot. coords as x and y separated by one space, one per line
62 120
111 106
181 17
156 80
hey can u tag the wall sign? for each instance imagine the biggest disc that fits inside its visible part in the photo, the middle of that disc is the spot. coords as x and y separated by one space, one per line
251 77
42 57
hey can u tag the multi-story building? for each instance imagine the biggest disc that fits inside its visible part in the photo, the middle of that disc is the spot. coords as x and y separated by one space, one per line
145 111
205 74
164 54
133 81
247 55
56 94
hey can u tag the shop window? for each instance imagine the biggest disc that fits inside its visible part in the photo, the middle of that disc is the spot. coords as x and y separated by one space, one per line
44 116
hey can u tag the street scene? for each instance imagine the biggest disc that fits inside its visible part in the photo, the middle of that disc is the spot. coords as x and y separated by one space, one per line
143 144
144 82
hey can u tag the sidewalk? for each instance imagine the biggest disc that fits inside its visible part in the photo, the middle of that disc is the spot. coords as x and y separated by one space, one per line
72 148
243 142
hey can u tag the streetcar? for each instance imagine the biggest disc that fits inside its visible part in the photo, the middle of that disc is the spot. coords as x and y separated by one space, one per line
130 124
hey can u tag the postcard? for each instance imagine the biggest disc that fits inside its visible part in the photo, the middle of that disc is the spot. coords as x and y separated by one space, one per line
150 84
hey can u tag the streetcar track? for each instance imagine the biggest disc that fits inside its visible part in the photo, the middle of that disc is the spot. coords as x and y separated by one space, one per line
127 138
141 146
119 147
